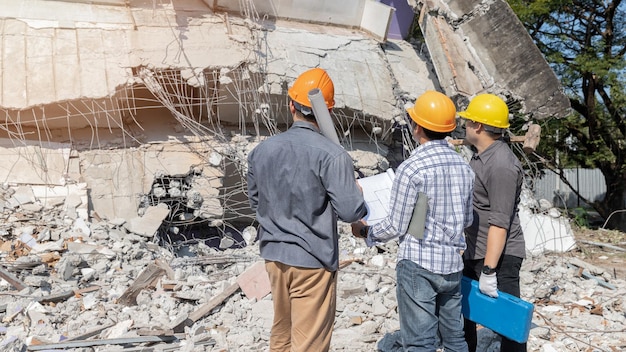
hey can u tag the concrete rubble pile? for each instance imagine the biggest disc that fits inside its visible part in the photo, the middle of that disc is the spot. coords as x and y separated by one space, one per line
98 287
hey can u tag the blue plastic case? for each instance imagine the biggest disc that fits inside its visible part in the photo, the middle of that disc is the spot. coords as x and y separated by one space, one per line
507 315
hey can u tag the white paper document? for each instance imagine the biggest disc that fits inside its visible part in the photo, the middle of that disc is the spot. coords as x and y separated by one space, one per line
376 192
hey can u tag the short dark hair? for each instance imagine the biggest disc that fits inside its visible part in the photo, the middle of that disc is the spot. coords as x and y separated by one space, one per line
432 135
308 117
494 131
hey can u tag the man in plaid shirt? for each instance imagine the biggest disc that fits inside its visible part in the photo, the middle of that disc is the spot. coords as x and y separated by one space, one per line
430 263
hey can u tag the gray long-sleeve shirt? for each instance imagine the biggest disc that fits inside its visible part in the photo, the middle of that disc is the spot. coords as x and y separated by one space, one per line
299 183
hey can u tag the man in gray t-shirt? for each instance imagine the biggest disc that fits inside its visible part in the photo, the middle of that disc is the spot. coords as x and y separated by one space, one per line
495 242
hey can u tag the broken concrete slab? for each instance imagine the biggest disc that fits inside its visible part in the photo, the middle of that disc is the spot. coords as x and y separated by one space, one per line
254 282
22 195
470 59
370 16
542 231
455 65
105 47
411 68
353 61
37 163
545 233
149 223
52 196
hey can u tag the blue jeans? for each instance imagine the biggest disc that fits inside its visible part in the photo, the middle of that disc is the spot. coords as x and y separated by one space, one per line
429 304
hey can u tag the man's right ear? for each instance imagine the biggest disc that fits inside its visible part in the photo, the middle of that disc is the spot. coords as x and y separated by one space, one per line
292 109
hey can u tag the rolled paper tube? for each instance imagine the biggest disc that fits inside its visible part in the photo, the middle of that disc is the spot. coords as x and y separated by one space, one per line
322 115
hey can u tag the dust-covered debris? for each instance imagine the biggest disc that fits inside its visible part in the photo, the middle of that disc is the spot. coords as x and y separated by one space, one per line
88 292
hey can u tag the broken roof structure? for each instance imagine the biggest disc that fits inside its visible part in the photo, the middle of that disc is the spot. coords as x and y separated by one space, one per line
125 76
82 76
131 105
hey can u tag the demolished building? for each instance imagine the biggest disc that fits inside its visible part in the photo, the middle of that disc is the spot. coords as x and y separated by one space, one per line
132 104
134 118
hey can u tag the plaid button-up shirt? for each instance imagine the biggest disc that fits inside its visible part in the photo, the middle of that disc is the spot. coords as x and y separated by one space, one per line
438 171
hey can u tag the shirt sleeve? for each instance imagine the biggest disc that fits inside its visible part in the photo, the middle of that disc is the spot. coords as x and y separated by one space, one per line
253 192
469 207
401 203
502 189
340 183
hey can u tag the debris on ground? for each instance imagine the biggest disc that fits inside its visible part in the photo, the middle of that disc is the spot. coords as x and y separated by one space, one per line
98 287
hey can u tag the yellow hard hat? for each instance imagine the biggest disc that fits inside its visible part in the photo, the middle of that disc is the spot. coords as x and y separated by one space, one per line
487 109
434 111
311 79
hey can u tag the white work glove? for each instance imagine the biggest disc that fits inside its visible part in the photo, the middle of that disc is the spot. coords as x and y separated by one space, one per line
488 284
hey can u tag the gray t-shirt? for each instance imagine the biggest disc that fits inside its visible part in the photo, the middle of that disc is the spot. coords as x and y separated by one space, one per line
497 188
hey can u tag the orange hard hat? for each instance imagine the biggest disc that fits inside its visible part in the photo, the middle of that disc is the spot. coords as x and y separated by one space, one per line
311 79
434 111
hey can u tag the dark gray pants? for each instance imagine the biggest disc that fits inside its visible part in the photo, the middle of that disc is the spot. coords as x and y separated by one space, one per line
508 281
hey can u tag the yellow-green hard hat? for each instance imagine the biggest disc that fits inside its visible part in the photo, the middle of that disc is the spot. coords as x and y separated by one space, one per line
487 109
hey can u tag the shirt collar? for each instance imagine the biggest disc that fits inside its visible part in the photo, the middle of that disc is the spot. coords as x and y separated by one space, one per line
432 143
305 124
490 151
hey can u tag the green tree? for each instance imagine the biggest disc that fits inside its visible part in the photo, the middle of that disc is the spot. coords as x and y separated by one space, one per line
585 43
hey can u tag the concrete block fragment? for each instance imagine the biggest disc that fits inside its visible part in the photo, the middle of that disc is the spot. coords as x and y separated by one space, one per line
545 233
67 264
241 339
255 282
23 195
378 260
118 330
43 235
27 238
88 274
90 301
226 242
82 227
249 235
149 223
85 248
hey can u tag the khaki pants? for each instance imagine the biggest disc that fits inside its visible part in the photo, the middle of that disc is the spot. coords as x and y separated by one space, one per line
304 307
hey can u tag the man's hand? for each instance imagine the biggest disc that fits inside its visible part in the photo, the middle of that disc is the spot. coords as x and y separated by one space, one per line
488 284
357 226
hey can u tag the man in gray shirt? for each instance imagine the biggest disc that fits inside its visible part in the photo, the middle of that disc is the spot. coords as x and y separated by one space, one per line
299 184
495 242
